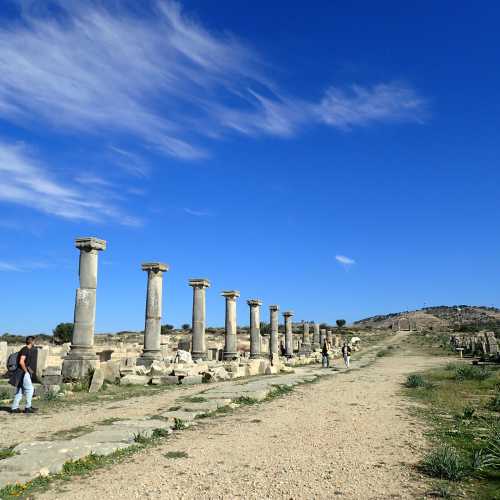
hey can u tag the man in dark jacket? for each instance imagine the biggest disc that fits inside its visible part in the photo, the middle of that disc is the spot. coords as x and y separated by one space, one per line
22 375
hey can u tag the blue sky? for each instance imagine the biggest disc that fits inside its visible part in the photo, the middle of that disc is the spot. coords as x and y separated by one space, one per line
340 160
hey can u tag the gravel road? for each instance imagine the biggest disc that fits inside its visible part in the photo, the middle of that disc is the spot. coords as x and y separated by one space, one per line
348 436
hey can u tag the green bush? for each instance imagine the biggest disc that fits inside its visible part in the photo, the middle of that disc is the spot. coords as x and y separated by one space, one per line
493 404
444 463
5 393
415 380
470 372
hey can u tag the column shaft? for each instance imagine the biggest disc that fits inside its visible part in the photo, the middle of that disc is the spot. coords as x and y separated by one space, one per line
274 323
198 348
288 334
231 346
255 342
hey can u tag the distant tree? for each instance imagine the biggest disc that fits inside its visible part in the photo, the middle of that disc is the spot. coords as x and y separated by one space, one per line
165 329
186 326
323 326
62 333
265 328
340 323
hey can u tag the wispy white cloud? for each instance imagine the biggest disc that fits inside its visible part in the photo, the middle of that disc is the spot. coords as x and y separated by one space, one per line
25 181
163 78
363 105
346 261
21 266
198 213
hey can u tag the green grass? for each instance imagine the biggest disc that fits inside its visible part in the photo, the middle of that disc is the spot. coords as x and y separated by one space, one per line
245 401
278 391
415 380
179 424
176 454
194 399
465 432
72 433
5 393
6 452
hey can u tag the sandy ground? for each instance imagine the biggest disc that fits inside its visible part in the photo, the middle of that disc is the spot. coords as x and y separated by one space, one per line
349 436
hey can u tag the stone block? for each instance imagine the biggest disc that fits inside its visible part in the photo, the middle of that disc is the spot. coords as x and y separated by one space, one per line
169 380
191 380
97 380
76 369
135 380
111 370
51 379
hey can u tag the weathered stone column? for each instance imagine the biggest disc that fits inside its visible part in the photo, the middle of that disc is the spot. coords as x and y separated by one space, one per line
316 346
152 326
329 337
198 347
254 327
305 347
322 337
274 337
82 357
288 334
230 346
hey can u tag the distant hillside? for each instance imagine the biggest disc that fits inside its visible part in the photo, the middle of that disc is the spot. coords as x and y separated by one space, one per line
459 317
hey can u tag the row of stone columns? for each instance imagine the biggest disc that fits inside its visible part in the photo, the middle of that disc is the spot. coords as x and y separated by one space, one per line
82 358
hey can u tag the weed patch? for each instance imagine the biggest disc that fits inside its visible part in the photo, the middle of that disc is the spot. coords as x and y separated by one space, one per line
176 454
6 452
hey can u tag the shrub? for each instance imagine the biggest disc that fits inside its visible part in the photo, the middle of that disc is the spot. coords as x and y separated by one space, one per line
166 329
444 463
414 381
5 394
493 404
186 326
491 453
469 372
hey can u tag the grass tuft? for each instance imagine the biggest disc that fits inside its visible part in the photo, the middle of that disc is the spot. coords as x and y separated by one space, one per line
444 463
6 452
470 372
176 454
415 380
179 424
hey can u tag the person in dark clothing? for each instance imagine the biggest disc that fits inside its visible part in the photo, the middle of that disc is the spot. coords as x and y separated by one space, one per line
21 377
325 355
346 354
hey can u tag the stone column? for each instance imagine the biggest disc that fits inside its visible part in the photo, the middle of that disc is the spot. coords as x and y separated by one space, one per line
322 337
329 337
152 327
230 346
305 347
198 347
254 327
315 343
82 357
288 334
274 337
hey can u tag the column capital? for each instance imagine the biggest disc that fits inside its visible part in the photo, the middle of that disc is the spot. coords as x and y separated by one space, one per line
154 266
230 294
254 302
287 313
274 307
199 282
90 243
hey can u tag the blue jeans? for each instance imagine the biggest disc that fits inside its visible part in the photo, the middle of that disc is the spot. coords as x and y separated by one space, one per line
326 361
27 388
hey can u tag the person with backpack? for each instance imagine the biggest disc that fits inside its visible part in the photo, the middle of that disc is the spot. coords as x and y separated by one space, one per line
21 376
325 355
346 354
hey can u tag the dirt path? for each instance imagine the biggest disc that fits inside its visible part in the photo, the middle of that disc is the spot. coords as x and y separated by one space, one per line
350 436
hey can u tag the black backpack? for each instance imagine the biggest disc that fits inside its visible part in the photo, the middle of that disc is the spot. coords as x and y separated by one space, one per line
12 362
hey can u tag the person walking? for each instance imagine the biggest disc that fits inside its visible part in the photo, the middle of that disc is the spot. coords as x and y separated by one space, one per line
346 354
21 377
325 356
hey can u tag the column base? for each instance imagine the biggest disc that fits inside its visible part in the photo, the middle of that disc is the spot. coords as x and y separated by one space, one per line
77 369
230 356
199 355
147 358
256 355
